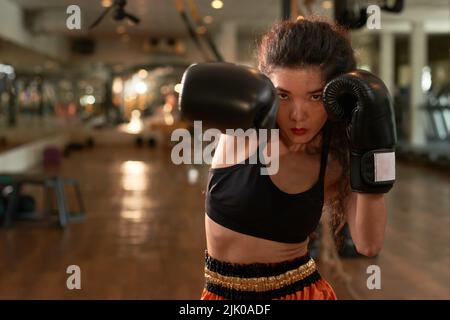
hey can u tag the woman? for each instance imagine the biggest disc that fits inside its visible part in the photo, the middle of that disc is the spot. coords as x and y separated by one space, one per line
262 251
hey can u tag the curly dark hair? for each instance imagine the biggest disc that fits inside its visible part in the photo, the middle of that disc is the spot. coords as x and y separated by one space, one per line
314 41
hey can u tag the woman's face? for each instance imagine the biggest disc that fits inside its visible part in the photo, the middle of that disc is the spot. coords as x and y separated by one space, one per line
301 113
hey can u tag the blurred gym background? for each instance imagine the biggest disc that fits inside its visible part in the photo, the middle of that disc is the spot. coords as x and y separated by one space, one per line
88 101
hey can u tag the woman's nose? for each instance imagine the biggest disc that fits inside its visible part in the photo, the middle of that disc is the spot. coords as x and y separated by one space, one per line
298 112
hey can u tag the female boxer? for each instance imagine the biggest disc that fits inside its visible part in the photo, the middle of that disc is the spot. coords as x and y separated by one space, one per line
335 150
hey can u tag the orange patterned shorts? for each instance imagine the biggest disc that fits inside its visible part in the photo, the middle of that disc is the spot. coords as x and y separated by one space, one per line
296 279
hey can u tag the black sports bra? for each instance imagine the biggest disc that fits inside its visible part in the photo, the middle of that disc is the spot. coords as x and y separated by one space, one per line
238 197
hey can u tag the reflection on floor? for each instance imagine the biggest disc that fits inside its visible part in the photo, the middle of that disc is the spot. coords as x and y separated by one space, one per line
143 237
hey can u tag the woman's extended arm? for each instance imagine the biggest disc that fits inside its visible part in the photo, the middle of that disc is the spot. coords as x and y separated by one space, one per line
366 216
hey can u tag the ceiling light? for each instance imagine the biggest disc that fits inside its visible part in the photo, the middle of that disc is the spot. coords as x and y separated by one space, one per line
106 3
208 19
217 4
327 4
201 30
143 73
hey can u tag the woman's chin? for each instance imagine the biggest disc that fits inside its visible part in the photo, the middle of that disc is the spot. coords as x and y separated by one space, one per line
296 139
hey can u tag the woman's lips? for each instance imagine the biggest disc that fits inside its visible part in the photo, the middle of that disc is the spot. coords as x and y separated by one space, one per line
298 131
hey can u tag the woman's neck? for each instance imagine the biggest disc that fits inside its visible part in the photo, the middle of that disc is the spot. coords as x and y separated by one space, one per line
310 147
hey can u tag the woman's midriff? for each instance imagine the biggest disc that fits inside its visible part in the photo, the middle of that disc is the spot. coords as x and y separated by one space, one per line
231 246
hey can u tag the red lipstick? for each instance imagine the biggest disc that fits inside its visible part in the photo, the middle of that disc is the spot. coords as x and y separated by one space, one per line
298 131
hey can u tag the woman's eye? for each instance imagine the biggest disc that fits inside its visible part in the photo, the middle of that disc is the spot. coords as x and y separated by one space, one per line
283 96
316 97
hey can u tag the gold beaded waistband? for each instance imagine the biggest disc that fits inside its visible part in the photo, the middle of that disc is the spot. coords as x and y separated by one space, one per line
261 284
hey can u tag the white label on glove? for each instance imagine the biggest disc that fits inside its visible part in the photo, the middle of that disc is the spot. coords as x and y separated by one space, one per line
384 166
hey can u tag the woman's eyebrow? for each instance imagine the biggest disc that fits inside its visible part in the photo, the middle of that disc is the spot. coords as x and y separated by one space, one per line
316 91
309 92
282 89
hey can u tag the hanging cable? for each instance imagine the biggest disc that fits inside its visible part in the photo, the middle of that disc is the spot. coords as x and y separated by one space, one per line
179 5
196 16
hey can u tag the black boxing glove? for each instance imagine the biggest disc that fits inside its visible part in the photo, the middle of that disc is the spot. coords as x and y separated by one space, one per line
362 99
228 96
